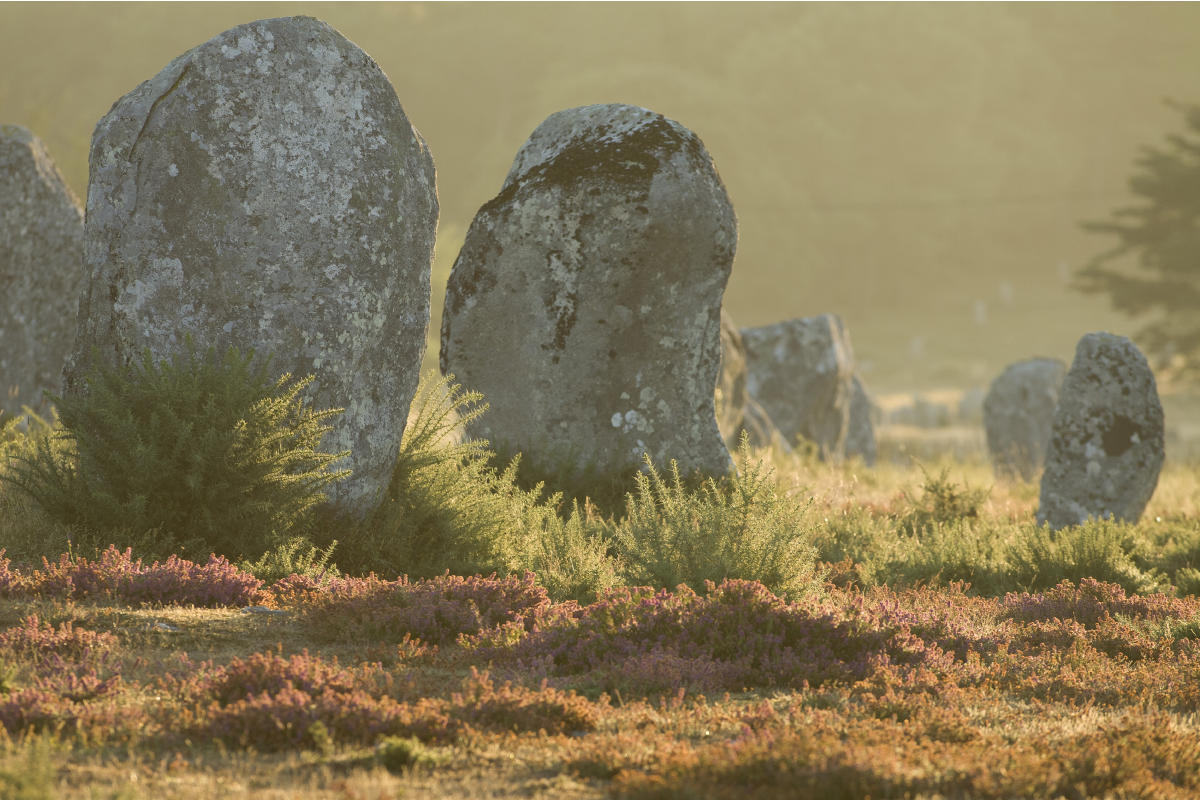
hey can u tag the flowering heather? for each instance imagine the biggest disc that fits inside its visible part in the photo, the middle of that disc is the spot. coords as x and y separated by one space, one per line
1092 601
272 703
118 576
435 610
737 635
47 645
12 582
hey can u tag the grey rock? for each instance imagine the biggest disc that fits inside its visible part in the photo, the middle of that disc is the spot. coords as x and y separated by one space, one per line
921 413
737 410
970 406
860 433
41 271
585 303
801 371
1018 412
1106 445
266 190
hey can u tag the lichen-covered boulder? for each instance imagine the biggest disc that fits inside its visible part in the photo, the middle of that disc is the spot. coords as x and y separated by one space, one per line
586 301
266 190
801 371
860 430
1106 443
1017 414
41 271
737 411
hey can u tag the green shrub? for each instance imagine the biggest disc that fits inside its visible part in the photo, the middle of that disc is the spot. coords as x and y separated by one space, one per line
941 501
445 508
741 527
207 452
449 508
1040 558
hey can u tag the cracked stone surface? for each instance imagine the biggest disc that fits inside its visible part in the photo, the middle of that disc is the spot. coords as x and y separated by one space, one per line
1018 413
266 190
1106 443
802 373
585 303
41 271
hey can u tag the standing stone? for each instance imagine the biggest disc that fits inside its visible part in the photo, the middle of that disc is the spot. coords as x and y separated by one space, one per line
737 411
41 271
802 372
860 431
266 190
586 301
1106 446
1018 413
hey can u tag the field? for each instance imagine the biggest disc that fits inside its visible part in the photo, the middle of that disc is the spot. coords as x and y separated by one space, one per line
925 640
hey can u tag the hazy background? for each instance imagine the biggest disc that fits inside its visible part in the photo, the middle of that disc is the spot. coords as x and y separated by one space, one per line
920 169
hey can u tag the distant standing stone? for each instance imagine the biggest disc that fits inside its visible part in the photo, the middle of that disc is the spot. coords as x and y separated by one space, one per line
860 431
1106 446
737 411
1018 412
266 190
586 301
41 271
802 372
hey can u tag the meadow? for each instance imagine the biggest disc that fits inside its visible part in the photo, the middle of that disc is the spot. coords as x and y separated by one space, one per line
798 629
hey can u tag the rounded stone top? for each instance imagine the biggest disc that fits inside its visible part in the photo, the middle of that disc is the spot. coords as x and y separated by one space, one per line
17 133
610 140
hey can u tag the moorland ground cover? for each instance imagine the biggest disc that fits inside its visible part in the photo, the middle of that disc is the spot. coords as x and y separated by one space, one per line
802 628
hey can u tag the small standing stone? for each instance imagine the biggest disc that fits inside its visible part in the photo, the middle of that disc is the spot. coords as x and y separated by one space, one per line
1018 412
1106 445
586 301
41 271
860 433
802 373
266 190
737 410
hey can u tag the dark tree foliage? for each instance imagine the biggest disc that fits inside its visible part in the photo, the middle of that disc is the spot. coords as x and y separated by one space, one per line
1163 232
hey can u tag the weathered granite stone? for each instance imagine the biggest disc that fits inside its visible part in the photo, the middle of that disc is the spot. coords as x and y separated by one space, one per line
41 271
921 413
1106 445
801 371
585 303
737 411
1017 414
860 433
267 190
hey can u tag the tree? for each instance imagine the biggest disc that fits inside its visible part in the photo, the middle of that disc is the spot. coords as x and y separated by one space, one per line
1164 234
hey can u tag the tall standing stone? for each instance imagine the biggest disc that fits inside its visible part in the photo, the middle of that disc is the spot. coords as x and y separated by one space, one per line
1106 445
586 301
802 372
266 190
41 270
1018 412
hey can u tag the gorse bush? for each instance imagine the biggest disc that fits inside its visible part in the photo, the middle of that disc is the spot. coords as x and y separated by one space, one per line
208 452
449 509
742 527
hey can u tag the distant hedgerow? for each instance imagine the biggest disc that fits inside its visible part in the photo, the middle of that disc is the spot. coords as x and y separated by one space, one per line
206 451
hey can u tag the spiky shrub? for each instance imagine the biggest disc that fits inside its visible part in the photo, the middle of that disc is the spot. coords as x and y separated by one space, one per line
449 508
742 527
206 451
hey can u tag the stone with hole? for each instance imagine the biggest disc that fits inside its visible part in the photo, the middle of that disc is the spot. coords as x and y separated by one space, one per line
266 190
41 271
1018 412
586 301
1106 442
